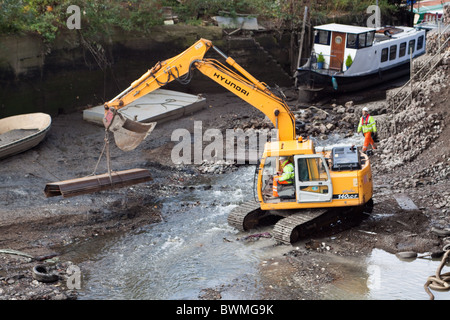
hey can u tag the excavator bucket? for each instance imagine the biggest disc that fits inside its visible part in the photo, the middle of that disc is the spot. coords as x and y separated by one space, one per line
128 134
90 184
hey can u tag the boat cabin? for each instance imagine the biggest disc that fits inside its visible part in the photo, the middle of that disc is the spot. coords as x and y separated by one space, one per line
336 43
340 45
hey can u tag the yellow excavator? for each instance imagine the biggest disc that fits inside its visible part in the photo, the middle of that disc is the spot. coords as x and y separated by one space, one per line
325 184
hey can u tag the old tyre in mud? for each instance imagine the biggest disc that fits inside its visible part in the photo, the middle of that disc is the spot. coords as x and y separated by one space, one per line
441 232
42 273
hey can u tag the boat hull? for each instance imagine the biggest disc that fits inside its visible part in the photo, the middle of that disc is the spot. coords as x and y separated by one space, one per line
38 124
311 80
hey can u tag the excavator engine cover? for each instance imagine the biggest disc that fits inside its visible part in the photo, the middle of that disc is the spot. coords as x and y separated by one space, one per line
346 158
128 134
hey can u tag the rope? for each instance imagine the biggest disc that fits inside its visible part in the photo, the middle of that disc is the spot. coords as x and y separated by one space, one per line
439 282
15 252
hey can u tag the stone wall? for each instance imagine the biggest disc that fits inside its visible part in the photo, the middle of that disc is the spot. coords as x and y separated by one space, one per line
24 54
21 55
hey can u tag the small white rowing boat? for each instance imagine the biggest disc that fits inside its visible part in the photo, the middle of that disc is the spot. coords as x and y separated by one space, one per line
22 132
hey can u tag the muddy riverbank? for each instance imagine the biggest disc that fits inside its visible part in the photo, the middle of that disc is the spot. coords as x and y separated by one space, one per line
49 227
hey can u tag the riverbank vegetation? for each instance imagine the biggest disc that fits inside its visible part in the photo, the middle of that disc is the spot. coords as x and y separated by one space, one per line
47 17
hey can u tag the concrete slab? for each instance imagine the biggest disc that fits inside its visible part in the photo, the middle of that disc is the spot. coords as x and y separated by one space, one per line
158 106
405 202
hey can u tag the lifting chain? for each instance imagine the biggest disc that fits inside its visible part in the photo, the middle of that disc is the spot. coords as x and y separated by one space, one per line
108 157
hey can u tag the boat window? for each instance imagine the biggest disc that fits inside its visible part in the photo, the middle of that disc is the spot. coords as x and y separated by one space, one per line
412 44
362 40
393 52
402 50
322 37
384 55
420 43
369 39
352 41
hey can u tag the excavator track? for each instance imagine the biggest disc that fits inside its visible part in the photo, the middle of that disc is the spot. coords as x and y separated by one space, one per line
293 227
287 229
245 216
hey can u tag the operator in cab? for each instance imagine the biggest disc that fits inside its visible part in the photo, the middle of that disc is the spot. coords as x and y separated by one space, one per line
286 176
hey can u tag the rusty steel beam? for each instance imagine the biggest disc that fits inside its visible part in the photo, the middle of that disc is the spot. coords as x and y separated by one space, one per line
90 184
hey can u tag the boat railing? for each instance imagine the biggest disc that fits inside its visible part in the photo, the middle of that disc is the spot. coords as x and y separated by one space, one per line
424 71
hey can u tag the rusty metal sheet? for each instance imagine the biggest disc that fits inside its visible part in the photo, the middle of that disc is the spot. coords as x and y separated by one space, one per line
90 184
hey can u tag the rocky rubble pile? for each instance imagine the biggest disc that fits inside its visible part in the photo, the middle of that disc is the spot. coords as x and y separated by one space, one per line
434 43
446 18
411 130
312 121
417 131
340 119
431 175
216 167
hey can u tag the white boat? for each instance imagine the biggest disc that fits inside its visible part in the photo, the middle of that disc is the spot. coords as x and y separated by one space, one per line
22 132
359 57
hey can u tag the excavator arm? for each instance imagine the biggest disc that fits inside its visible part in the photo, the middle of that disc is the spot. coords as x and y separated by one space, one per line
179 68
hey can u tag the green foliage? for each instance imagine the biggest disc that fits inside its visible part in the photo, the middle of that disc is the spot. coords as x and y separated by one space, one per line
348 61
29 16
194 8
354 11
100 17
320 58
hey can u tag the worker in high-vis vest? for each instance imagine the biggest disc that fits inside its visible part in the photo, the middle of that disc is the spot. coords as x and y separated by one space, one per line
286 176
369 129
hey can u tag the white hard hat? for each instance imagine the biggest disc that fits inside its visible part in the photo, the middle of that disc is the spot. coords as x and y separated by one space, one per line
365 109
283 159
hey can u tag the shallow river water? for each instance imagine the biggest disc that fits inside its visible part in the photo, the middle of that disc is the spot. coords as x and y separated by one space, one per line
194 248
189 251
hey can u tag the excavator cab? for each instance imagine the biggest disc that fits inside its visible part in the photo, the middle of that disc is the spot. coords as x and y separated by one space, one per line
328 184
312 180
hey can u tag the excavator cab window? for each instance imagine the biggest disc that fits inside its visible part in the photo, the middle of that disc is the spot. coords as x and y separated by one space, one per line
311 169
313 180
268 171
